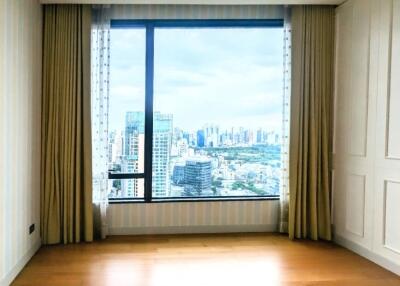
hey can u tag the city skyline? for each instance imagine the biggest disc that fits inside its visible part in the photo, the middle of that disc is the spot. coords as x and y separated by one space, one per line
202 126
204 163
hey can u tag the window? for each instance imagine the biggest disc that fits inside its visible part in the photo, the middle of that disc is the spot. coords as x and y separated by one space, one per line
195 109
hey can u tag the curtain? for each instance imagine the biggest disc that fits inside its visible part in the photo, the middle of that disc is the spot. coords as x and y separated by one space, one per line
284 195
311 120
66 171
100 96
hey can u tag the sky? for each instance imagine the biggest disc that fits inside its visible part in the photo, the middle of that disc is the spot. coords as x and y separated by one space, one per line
231 77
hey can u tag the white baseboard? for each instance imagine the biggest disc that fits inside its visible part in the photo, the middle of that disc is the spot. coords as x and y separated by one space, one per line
364 252
192 229
10 276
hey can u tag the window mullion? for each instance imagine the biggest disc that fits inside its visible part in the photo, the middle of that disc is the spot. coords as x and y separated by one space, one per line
149 111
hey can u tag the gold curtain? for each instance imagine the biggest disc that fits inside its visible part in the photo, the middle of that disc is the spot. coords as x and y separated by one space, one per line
66 172
311 122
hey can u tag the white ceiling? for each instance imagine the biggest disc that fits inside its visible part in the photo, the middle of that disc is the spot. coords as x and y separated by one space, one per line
201 2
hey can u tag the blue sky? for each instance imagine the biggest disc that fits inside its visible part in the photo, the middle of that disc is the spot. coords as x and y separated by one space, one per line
229 77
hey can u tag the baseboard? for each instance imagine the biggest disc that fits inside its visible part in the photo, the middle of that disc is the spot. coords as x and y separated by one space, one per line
364 252
21 264
192 229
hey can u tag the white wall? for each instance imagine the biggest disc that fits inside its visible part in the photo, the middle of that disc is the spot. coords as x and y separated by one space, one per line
194 217
366 171
20 81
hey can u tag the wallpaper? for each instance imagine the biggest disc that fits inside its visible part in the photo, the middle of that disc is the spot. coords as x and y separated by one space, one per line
20 85
193 217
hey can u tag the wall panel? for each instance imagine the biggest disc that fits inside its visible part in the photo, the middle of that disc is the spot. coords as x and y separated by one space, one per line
20 89
368 112
355 204
393 118
391 213
359 43
354 148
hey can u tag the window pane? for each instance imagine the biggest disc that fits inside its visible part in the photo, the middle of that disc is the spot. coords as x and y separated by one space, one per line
218 96
126 188
126 107
127 98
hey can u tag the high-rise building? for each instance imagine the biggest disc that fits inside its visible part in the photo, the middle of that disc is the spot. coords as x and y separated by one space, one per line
134 151
134 123
211 135
271 138
197 176
178 175
182 147
200 138
251 137
133 159
131 188
115 146
162 140
259 136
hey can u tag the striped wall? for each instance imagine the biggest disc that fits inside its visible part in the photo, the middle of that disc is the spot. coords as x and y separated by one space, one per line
20 79
233 216
196 12
193 217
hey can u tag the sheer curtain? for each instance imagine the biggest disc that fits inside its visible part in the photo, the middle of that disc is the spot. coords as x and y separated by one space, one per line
284 196
100 94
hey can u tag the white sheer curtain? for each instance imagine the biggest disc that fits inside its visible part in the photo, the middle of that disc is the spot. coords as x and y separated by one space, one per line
100 94
284 196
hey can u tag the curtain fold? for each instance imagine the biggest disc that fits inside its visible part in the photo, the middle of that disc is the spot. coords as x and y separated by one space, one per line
66 164
311 120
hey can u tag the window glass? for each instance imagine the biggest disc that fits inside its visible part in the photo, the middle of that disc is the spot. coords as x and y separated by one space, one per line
127 110
217 121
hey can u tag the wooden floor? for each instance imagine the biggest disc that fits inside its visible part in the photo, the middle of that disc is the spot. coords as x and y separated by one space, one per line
226 260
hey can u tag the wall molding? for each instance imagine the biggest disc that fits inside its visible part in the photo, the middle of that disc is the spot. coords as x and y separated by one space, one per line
368 254
384 213
361 233
12 274
193 229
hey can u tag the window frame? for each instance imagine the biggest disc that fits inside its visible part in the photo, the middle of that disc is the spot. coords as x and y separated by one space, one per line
149 25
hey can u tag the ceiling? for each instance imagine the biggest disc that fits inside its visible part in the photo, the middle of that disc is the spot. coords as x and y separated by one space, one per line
202 2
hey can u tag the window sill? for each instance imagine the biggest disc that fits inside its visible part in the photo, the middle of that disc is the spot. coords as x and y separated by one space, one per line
193 199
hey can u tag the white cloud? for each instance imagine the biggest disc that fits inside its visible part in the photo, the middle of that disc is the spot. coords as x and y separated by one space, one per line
205 78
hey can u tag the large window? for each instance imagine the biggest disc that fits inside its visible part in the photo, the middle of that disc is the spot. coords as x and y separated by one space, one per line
195 109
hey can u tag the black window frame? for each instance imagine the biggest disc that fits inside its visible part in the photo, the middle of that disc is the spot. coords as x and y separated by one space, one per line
149 26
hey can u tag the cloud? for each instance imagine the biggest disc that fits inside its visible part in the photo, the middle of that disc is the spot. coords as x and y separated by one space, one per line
230 77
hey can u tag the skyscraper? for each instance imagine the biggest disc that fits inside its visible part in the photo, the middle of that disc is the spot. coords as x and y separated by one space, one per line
162 140
200 138
211 135
259 135
133 159
134 124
